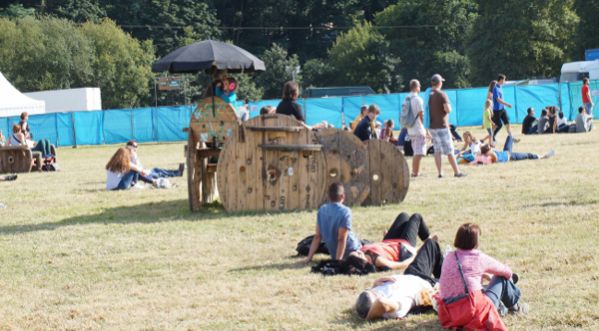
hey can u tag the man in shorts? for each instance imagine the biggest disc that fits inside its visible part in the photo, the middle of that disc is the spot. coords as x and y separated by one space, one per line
439 107
499 114
417 132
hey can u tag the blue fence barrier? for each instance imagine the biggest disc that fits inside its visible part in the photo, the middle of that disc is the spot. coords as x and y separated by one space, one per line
163 124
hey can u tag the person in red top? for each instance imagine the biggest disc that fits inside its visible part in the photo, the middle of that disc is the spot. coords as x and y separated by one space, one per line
398 248
587 100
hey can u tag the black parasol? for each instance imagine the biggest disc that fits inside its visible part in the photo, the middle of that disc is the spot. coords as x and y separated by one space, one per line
207 55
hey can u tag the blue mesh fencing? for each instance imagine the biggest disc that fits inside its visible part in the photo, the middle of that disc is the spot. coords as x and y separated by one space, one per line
162 124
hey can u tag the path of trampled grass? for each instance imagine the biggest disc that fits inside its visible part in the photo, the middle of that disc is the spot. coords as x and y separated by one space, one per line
73 256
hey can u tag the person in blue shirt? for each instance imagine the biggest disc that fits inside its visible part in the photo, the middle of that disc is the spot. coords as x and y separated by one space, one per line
499 114
225 89
364 128
334 227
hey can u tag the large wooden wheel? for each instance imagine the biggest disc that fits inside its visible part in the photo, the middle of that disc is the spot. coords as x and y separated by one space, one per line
347 163
15 159
389 174
273 163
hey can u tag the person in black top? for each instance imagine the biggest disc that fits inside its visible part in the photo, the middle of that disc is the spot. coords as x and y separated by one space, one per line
289 106
528 125
363 129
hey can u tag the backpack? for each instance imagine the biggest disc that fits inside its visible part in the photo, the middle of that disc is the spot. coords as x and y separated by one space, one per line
407 117
303 247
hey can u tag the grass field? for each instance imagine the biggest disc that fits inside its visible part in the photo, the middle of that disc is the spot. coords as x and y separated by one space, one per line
73 256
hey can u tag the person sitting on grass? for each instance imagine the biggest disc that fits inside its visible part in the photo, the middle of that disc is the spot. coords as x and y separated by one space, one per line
398 248
470 149
529 125
334 227
364 129
461 283
393 297
120 172
18 139
584 122
543 123
354 124
489 156
387 132
267 110
155 173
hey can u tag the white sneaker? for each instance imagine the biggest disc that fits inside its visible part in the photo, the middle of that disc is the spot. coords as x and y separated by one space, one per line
139 186
549 154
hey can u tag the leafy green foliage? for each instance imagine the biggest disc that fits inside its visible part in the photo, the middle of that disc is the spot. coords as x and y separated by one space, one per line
522 38
16 11
587 35
439 43
361 57
279 67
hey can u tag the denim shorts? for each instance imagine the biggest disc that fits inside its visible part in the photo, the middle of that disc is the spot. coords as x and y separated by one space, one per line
442 141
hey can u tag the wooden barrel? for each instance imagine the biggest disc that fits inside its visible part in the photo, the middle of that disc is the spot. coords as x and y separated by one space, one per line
272 163
15 159
389 174
346 163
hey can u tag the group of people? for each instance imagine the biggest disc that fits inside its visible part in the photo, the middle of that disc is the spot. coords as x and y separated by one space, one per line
451 282
22 136
552 120
125 171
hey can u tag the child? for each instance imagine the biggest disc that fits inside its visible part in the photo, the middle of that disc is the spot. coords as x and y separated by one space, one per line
488 121
471 147
225 89
387 132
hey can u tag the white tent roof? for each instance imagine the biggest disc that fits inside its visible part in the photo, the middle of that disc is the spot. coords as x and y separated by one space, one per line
13 102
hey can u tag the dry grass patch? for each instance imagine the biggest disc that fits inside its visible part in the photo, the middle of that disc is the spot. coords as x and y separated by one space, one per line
74 256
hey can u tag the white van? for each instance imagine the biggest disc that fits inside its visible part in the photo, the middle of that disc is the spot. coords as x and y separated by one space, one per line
576 71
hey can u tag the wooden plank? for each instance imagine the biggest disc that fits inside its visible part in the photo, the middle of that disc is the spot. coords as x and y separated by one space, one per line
347 163
213 121
275 129
292 147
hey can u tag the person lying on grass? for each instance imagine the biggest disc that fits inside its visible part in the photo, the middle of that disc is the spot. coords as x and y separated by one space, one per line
395 296
334 227
489 156
397 250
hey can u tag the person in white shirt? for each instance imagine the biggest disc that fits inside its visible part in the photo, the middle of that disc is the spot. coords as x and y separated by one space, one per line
417 132
394 297
120 172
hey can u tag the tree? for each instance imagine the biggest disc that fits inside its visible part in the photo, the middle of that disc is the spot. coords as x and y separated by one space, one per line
121 64
279 67
16 11
430 37
361 57
587 35
522 39
76 10
317 72
168 23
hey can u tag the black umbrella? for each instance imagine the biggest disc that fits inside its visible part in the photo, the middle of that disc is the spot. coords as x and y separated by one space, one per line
208 54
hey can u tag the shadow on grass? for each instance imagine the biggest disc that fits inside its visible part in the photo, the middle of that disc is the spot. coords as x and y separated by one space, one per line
153 212
297 264
570 203
148 213
349 318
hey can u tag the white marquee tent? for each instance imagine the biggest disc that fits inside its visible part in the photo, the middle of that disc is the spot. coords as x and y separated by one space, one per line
13 102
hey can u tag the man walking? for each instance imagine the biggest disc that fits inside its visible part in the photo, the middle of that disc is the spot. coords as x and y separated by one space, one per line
440 108
587 101
416 132
499 114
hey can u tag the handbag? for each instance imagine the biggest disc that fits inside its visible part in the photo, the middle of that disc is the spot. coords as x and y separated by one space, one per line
460 310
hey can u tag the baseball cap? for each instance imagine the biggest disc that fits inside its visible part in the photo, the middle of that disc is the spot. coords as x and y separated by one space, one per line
437 79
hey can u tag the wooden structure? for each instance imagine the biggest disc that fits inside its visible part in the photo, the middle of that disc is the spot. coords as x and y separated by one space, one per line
274 162
389 174
212 123
18 159
347 162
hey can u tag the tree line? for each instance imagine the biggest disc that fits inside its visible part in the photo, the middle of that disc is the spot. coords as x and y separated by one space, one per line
380 43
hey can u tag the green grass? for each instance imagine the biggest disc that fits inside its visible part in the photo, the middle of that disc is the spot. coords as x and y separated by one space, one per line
73 256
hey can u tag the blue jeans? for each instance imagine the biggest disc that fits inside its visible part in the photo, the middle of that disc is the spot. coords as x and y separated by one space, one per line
509 144
43 146
126 180
161 173
503 293
589 108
